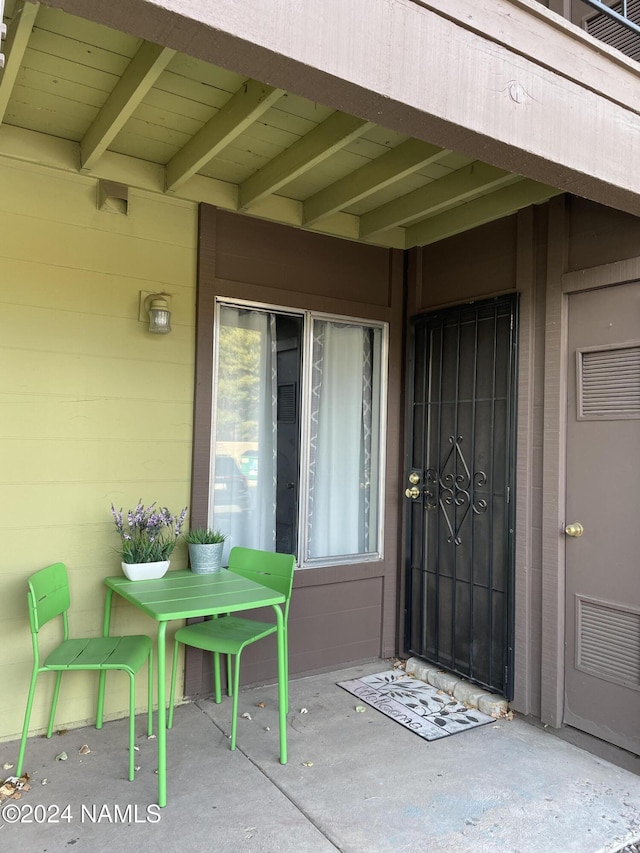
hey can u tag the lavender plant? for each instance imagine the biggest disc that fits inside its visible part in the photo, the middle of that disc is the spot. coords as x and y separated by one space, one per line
147 535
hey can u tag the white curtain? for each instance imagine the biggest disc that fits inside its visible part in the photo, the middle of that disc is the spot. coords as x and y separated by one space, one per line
338 514
244 500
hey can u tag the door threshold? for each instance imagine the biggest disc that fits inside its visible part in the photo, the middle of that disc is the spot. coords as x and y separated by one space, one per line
462 690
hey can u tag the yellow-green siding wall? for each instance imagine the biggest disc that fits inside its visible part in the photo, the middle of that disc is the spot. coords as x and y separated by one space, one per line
95 409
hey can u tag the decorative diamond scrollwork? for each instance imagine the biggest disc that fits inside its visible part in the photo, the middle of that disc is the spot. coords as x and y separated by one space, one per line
453 490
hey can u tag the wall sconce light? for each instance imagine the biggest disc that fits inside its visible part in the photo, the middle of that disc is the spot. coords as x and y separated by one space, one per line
156 305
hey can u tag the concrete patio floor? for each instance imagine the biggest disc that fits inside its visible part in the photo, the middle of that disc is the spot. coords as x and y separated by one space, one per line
355 782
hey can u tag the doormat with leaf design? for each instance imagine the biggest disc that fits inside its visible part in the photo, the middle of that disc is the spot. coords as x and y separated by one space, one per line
416 705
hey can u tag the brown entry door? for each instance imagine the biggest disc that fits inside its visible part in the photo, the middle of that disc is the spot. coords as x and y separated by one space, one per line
602 689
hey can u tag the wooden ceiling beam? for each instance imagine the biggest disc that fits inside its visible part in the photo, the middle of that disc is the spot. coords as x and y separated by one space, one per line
502 202
517 64
62 155
141 73
241 110
14 47
406 158
319 144
457 187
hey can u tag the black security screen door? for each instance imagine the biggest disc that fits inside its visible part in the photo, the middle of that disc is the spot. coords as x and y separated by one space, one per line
459 490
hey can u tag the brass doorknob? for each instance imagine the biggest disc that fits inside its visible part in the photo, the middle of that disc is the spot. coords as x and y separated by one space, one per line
413 493
575 529
414 478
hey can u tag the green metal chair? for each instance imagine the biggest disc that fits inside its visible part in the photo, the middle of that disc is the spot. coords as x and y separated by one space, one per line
48 597
230 634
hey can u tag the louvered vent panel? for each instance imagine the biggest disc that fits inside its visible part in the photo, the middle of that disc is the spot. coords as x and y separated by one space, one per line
604 28
287 403
609 383
608 642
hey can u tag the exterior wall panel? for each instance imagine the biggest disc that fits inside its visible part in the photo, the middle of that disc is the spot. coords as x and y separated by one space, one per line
345 271
498 258
345 618
94 409
339 613
570 244
476 264
599 235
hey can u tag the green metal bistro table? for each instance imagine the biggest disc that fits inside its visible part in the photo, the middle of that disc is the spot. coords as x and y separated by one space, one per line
183 595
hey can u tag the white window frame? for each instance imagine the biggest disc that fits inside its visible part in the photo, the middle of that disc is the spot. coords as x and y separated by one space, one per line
308 316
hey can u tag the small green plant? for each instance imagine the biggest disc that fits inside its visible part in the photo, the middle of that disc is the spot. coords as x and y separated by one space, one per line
205 536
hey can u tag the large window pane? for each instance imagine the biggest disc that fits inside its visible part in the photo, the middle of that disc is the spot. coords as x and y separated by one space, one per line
262 431
342 515
243 501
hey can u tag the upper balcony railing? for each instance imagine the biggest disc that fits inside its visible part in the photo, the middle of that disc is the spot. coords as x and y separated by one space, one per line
618 25
625 13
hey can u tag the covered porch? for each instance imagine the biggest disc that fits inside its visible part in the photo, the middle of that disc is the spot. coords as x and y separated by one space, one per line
355 781
304 160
